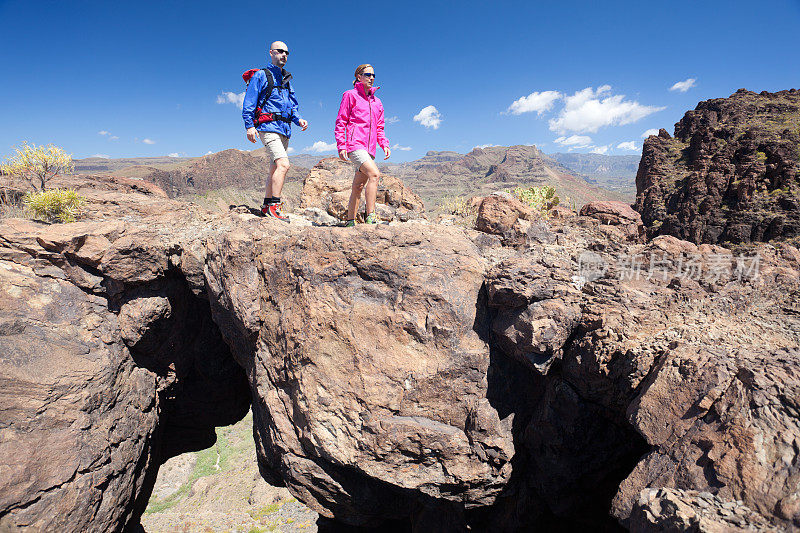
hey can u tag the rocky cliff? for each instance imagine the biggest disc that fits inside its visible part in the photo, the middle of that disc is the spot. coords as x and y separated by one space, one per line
413 374
730 173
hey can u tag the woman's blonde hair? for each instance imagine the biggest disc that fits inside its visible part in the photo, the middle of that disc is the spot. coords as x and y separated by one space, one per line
360 70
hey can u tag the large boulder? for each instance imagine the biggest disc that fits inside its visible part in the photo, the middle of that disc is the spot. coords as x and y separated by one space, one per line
328 187
618 217
514 222
372 399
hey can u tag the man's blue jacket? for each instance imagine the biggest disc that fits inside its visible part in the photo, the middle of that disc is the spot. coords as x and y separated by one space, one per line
282 101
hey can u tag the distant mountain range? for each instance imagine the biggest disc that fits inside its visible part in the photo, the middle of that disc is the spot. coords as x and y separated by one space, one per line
234 168
578 177
484 170
613 172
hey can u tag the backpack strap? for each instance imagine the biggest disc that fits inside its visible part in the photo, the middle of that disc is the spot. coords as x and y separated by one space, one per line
270 85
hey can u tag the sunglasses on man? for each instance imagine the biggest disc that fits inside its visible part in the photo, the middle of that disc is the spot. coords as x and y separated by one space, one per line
281 51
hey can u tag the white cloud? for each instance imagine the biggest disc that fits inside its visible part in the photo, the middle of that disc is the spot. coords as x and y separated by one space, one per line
114 138
599 149
231 98
392 120
102 132
588 110
209 152
628 145
536 101
320 147
684 85
174 154
289 150
485 146
648 133
148 141
575 141
401 148
101 156
429 117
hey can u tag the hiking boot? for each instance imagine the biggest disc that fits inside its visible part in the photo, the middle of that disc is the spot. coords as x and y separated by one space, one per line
349 223
274 211
371 219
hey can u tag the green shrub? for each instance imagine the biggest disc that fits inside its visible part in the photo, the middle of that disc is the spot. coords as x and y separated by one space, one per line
55 205
542 199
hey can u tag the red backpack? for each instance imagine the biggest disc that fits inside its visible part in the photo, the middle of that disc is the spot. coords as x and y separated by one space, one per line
259 117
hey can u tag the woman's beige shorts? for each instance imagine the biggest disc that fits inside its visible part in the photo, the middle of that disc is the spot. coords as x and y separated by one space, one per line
275 143
359 157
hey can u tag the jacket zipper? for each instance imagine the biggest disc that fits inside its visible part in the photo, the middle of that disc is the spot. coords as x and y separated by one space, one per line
369 138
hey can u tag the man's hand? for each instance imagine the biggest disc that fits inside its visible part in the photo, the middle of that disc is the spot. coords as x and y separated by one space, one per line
343 155
388 152
303 124
251 135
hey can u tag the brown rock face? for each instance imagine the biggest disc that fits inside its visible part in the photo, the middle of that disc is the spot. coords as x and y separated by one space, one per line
681 510
514 222
618 219
109 361
328 187
416 373
731 173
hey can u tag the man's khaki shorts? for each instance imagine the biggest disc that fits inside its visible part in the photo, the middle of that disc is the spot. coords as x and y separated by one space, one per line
275 143
359 157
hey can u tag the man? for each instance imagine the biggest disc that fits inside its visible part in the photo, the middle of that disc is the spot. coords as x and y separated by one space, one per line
282 109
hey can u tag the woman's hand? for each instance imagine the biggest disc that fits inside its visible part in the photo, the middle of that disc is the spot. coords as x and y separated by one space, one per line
388 152
343 155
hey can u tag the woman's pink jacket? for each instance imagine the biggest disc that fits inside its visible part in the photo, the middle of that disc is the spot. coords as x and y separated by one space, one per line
359 125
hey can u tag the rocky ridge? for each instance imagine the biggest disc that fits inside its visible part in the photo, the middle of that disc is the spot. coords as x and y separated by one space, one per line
484 170
731 173
417 373
234 168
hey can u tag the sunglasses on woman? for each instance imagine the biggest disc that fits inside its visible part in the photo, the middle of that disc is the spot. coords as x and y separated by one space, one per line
368 74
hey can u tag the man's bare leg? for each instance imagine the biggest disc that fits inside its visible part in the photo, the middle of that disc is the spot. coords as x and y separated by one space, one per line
277 176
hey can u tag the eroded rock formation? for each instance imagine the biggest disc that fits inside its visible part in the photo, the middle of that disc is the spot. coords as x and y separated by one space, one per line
416 372
731 173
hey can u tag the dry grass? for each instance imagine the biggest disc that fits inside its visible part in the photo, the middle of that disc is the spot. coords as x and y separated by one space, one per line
461 206
11 204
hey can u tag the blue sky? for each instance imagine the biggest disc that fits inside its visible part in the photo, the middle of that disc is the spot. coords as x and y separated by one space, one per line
145 78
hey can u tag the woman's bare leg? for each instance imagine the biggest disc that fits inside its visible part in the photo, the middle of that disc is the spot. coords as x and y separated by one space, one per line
370 170
359 180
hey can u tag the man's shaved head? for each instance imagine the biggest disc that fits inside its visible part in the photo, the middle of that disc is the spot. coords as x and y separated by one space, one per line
278 53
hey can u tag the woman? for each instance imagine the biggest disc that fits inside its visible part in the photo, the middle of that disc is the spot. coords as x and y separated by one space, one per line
359 129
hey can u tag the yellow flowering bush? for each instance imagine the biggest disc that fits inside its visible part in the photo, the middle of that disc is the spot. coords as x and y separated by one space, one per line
55 205
38 164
